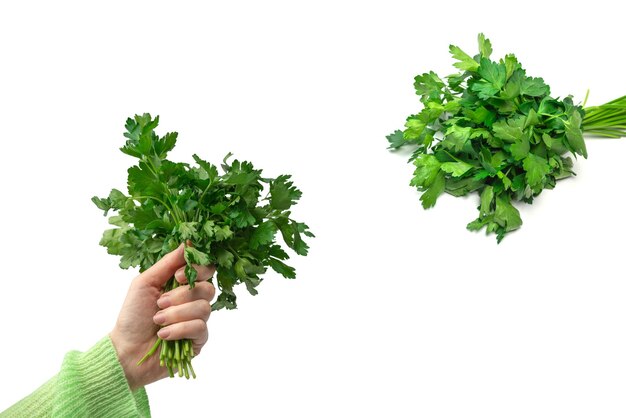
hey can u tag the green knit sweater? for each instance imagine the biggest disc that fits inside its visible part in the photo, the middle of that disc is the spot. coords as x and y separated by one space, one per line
90 384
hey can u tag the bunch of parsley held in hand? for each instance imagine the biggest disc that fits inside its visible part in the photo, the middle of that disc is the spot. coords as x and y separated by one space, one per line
496 131
222 219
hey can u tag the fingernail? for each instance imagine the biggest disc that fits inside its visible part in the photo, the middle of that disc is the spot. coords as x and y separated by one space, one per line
163 333
164 302
180 274
159 318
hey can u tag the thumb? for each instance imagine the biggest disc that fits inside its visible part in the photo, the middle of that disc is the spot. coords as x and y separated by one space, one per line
162 270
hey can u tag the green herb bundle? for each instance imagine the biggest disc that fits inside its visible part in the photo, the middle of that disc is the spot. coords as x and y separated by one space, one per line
222 218
494 130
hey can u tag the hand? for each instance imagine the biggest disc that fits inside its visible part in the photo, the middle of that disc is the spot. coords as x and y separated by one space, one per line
183 314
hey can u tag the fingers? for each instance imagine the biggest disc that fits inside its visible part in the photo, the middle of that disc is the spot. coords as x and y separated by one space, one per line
198 309
204 273
180 295
163 269
184 313
194 330
174 263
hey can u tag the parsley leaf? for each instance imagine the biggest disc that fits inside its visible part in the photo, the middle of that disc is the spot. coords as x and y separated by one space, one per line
223 216
494 130
465 61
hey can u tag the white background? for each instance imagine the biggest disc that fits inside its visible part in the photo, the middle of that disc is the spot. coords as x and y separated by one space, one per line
397 311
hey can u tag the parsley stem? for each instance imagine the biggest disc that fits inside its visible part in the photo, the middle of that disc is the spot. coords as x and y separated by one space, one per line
586 97
151 351
232 250
552 116
193 373
158 200
453 157
175 210
196 215
607 120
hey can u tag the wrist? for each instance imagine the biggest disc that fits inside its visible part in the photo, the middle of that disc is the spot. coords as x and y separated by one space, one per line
124 356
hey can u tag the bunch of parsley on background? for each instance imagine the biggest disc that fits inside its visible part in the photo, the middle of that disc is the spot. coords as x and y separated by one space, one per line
494 130
222 219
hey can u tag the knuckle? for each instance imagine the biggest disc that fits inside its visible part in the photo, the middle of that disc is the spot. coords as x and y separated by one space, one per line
179 331
205 308
175 297
203 272
205 335
181 295
210 291
198 326
170 315
183 329
136 282
204 289
140 280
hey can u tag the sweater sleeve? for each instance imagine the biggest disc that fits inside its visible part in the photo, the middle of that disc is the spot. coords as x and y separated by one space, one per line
89 384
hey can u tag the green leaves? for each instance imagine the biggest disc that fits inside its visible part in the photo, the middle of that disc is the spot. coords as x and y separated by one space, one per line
396 139
429 177
208 171
224 258
574 134
536 169
494 130
491 79
116 200
143 181
222 233
429 85
434 190
493 73
456 169
520 149
264 234
484 46
282 268
283 193
193 256
509 129
143 141
427 168
222 217
186 230
486 201
506 215
534 87
466 62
